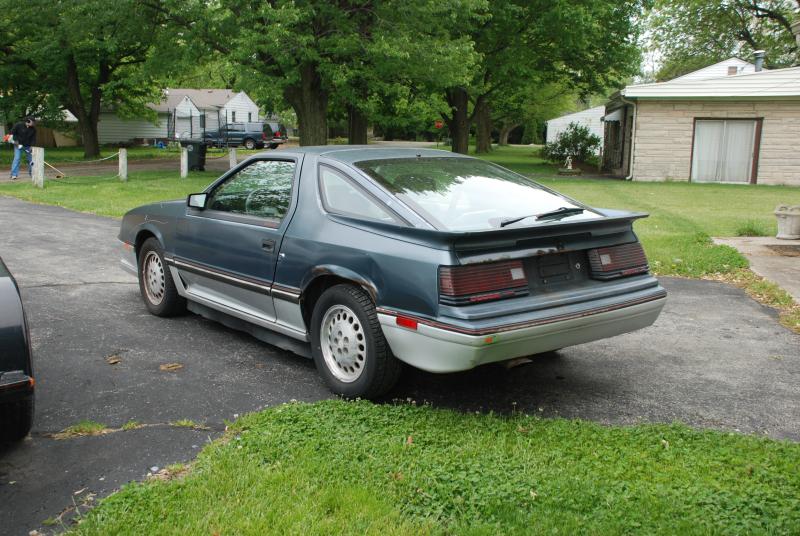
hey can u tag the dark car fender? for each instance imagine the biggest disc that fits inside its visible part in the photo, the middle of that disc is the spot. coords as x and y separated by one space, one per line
16 368
332 271
143 232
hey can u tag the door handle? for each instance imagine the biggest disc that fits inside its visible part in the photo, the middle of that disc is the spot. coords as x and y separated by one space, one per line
268 244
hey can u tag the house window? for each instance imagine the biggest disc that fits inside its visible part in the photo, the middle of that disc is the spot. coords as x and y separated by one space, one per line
249 117
725 150
203 120
233 116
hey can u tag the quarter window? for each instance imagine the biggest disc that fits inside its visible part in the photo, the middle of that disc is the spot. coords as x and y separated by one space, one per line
263 190
342 196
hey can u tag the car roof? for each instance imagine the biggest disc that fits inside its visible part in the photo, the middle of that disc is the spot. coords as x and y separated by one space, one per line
349 154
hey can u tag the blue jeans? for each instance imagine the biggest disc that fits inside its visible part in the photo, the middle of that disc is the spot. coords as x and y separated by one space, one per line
18 150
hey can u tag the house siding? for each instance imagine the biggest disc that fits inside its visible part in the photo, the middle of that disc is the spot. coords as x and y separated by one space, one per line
241 104
591 118
112 129
664 132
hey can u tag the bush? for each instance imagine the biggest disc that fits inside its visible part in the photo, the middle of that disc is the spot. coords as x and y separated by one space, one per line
576 141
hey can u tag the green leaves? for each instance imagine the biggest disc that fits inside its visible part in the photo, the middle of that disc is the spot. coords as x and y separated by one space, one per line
691 34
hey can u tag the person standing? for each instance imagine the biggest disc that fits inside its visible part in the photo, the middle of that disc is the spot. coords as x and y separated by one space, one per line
24 134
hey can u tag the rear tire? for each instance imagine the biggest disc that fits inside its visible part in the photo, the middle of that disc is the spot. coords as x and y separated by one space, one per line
348 345
16 419
155 282
249 144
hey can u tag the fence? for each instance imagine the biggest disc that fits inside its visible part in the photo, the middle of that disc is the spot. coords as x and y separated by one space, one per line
43 171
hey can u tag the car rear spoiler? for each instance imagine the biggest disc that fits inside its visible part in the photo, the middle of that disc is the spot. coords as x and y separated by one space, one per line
614 227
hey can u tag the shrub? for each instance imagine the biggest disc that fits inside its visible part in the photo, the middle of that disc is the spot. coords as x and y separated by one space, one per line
576 141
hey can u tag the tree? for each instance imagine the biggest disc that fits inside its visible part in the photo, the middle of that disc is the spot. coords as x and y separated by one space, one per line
586 45
691 34
530 104
86 54
311 53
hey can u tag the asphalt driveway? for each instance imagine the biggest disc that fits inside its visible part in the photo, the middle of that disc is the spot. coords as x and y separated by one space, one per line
715 358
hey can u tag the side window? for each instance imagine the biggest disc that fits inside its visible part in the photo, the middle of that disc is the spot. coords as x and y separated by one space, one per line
340 195
263 190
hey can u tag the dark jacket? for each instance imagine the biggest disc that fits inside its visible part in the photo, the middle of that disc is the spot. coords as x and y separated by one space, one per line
23 134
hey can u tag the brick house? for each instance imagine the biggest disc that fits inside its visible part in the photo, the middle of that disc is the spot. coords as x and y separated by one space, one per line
728 123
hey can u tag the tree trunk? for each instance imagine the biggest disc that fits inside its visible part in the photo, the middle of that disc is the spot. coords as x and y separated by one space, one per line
91 141
310 102
483 126
87 119
505 130
356 126
459 123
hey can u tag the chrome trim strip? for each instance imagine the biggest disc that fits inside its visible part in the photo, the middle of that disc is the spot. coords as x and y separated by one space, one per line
220 276
258 321
520 325
286 293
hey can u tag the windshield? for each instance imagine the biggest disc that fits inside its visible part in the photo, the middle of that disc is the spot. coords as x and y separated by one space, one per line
466 194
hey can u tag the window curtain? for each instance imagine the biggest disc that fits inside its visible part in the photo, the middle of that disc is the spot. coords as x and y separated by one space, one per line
737 151
708 138
723 150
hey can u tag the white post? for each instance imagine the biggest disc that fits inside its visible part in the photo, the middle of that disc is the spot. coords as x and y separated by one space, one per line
123 164
184 162
38 167
232 157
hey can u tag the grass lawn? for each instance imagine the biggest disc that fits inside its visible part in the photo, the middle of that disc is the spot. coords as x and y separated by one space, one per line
339 467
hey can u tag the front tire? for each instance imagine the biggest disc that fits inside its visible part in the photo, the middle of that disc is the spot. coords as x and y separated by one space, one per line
349 348
155 282
16 419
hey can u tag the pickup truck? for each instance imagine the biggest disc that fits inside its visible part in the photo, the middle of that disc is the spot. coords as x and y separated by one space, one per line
255 135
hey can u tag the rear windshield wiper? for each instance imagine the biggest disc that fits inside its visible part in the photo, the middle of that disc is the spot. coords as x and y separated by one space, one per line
558 213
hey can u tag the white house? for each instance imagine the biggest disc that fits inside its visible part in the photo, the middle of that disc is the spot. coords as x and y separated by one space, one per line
740 127
729 67
183 113
591 118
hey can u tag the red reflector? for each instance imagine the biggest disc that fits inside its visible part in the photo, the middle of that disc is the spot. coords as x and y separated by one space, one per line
405 322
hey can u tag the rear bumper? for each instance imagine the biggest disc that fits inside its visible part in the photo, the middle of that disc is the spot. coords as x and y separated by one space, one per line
437 347
15 385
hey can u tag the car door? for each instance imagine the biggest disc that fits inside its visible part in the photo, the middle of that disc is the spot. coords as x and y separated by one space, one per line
234 134
226 253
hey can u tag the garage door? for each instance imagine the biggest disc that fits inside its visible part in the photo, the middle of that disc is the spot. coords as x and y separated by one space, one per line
723 150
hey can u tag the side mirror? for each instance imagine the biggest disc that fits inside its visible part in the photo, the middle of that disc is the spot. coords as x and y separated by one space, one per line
197 201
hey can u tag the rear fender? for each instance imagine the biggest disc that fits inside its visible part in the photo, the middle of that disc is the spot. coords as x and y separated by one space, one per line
343 273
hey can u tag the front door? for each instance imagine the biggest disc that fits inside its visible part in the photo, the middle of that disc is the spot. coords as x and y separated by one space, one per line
226 253
724 150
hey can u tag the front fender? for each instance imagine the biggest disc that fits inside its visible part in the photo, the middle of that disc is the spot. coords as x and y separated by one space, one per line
148 228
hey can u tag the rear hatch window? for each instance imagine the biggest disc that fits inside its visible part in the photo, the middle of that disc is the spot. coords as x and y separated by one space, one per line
467 194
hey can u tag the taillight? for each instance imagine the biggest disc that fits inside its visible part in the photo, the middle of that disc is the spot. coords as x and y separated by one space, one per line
263 135
617 261
463 285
